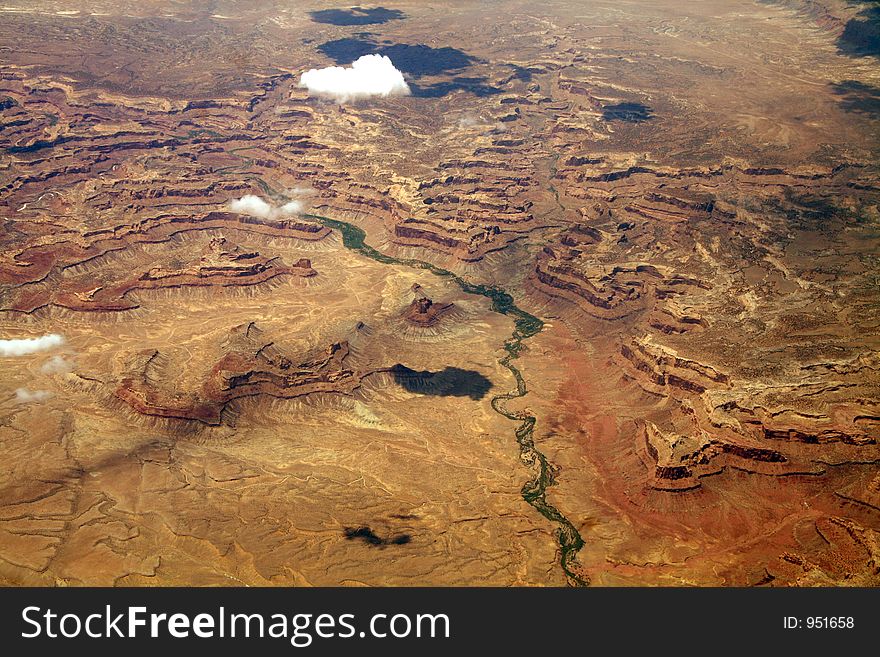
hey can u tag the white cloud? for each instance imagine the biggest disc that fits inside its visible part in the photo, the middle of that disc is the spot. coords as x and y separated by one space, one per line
292 207
25 396
56 365
469 121
251 205
370 75
24 346
255 206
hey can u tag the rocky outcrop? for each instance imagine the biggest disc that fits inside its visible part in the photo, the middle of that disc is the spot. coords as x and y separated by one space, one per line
222 266
680 460
49 252
708 307
423 312
248 366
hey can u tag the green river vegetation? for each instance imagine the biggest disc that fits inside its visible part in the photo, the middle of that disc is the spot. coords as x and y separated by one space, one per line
534 491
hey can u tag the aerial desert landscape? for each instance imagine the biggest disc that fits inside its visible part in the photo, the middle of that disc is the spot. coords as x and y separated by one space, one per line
569 293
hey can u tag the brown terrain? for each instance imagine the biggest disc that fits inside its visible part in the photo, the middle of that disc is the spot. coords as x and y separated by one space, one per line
686 194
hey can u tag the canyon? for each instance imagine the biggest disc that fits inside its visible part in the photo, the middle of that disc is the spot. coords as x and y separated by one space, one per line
596 304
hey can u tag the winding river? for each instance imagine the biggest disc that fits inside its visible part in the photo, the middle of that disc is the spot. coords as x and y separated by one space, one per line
534 491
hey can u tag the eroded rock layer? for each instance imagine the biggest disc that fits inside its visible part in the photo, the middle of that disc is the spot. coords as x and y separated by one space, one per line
243 393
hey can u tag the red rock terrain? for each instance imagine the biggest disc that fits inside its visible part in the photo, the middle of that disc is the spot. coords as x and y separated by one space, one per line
687 197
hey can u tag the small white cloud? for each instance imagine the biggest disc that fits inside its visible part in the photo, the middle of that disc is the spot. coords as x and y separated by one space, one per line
469 121
25 396
251 205
292 207
24 346
370 75
255 206
57 365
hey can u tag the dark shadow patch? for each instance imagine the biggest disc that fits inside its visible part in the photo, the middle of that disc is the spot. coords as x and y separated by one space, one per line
356 16
370 537
476 86
345 51
366 534
415 61
420 60
813 212
448 382
861 34
520 73
858 97
628 112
